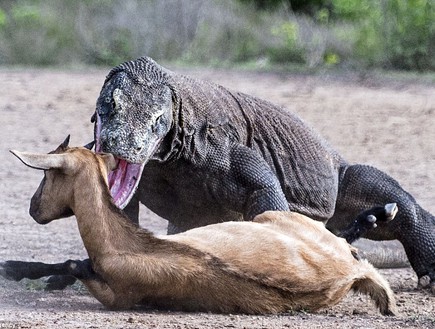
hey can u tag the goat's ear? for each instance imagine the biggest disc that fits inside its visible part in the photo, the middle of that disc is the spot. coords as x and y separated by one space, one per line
109 160
43 161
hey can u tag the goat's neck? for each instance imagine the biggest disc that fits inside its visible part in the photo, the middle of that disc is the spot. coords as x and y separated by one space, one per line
102 227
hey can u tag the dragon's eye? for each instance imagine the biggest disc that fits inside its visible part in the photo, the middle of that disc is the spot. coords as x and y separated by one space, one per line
111 101
107 106
157 123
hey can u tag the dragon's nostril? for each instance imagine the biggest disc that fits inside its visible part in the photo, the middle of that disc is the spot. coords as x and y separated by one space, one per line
107 144
138 144
138 149
111 141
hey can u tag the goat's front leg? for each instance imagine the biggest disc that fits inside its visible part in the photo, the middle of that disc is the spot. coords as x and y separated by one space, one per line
83 271
59 273
98 287
102 291
67 271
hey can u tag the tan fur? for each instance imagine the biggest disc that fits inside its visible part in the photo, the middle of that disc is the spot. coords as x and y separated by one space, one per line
279 262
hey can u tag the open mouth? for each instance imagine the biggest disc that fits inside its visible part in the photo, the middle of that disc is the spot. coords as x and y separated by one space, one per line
124 180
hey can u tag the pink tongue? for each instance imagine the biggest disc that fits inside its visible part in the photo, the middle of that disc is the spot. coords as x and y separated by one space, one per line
123 182
116 178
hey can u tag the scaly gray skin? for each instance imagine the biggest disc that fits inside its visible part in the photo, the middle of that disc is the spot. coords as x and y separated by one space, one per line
212 154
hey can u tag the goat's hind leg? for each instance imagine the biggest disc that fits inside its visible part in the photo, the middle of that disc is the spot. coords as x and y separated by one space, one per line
366 221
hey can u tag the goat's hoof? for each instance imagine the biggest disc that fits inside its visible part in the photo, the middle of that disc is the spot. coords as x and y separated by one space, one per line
59 282
12 270
391 210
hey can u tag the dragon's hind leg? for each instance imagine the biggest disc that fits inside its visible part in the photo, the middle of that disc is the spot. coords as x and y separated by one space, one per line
362 187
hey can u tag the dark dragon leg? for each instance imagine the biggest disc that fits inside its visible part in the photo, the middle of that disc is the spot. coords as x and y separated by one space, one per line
362 187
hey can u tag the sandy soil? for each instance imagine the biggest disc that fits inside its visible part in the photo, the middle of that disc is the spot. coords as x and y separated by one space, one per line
370 119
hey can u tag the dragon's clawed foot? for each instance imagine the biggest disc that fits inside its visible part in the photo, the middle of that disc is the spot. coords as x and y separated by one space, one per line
426 282
369 218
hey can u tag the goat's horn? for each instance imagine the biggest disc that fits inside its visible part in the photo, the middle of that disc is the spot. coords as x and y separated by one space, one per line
65 143
90 145
41 161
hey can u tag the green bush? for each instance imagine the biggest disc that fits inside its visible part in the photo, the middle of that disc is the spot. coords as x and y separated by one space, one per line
289 48
2 19
113 50
410 34
31 35
228 33
396 34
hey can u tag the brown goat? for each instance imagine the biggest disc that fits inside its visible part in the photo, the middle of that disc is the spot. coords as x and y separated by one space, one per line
279 262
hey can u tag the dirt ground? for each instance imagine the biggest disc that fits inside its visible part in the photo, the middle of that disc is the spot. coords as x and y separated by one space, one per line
371 119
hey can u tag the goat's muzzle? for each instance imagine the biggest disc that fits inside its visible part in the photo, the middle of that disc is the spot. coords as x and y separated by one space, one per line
35 211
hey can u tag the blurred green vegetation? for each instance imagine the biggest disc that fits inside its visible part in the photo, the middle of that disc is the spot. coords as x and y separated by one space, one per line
392 34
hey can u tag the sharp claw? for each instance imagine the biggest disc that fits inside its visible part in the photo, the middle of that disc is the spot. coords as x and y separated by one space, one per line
391 210
371 218
424 282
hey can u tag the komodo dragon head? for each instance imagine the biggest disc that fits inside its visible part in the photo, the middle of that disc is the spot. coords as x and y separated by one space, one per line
133 115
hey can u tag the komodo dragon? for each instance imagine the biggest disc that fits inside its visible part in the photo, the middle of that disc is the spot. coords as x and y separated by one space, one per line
206 154
197 153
